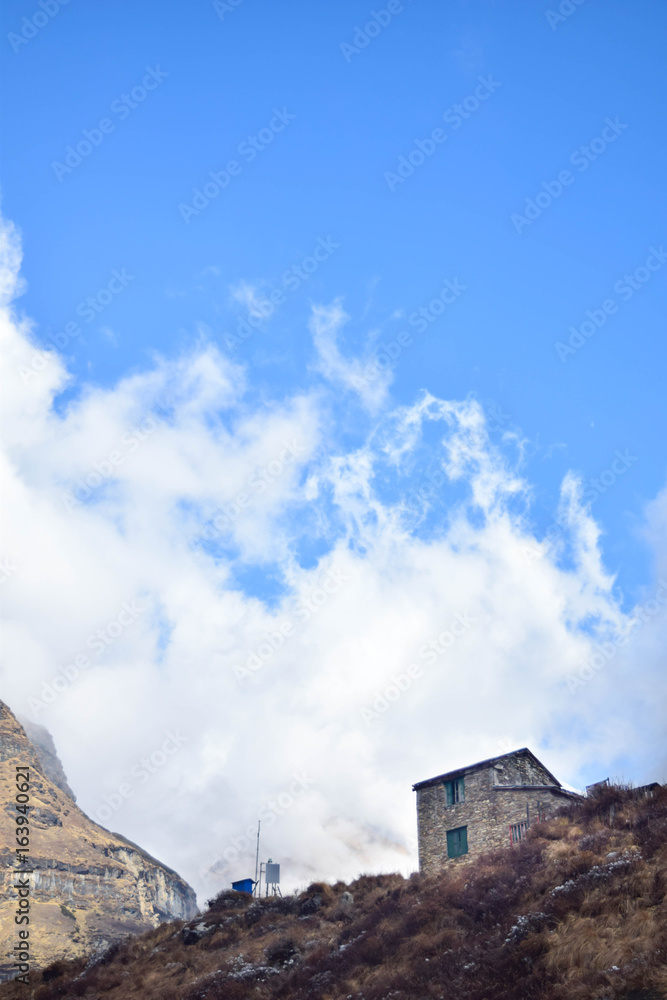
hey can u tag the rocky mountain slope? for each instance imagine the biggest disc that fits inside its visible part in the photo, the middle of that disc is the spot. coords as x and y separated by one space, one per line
577 911
90 887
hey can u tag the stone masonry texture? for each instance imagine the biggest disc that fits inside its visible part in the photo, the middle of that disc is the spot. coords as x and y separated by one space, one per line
503 791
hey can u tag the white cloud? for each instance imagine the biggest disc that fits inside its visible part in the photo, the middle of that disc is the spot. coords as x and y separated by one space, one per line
325 325
248 295
206 491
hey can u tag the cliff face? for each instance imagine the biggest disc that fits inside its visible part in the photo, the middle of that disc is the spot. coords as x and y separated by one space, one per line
89 887
42 741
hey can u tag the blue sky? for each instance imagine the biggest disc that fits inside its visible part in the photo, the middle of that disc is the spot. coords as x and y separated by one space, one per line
323 175
582 92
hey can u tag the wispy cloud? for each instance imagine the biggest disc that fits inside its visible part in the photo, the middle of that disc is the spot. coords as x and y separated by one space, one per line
247 294
325 325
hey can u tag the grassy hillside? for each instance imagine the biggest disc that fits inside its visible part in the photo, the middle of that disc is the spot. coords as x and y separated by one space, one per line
576 912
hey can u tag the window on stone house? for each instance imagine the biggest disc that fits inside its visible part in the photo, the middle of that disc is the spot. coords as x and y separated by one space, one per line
457 842
518 831
455 791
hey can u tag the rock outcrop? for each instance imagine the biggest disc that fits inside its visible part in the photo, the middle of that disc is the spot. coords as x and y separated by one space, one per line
43 743
89 887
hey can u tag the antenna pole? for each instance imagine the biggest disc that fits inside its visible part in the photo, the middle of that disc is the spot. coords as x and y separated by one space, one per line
259 823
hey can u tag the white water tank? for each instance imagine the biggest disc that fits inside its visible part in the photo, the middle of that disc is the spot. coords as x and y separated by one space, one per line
272 874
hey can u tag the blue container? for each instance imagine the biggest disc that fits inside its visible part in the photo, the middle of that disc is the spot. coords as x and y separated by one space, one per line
243 885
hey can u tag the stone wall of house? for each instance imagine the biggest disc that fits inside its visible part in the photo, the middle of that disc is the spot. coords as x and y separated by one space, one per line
487 812
520 770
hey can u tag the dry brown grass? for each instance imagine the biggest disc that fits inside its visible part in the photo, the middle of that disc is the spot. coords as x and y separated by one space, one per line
578 911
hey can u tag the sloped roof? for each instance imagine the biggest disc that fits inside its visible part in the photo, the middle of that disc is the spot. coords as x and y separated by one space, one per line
482 765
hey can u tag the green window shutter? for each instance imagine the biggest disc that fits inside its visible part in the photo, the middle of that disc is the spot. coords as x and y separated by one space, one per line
455 791
457 842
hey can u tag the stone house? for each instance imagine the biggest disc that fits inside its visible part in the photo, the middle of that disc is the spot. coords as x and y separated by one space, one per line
483 806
